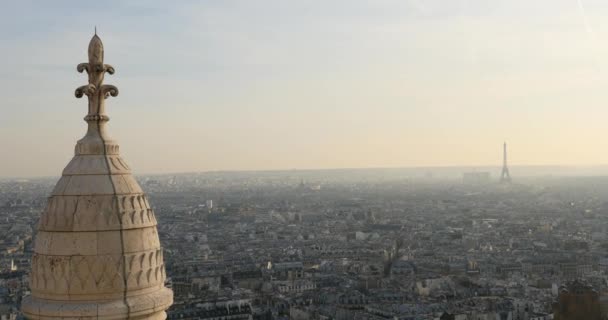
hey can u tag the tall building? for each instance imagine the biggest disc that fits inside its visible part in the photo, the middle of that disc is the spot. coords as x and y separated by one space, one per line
505 177
97 253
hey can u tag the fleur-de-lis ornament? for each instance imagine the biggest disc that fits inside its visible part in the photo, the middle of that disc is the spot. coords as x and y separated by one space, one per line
96 91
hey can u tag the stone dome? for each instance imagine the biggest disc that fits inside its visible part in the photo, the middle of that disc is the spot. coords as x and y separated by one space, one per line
97 253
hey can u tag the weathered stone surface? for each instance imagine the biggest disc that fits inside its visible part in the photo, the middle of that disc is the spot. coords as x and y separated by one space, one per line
96 213
97 254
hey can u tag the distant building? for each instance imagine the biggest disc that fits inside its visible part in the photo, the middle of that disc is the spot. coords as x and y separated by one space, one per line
447 316
577 300
217 310
476 178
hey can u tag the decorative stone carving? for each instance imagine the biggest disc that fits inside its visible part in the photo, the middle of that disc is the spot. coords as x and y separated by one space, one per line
97 254
86 276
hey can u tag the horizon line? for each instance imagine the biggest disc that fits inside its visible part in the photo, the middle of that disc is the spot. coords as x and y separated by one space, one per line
472 167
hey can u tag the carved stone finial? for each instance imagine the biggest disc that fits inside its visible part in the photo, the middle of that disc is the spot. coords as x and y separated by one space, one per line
96 91
96 140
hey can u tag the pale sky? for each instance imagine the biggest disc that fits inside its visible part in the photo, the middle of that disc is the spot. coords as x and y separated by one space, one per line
284 84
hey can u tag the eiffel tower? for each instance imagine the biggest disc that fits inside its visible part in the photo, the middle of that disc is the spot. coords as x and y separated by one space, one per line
505 177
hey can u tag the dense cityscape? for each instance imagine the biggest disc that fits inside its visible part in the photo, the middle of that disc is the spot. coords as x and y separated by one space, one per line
304 160
348 244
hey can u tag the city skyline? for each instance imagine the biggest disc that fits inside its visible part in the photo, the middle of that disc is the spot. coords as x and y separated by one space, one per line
312 85
304 160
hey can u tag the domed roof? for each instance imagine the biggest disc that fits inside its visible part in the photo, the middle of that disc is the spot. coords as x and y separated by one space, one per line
97 252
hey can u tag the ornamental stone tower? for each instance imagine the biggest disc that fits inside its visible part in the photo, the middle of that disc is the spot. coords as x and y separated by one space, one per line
97 253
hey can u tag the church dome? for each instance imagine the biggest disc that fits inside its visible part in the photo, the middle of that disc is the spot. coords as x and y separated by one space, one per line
97 252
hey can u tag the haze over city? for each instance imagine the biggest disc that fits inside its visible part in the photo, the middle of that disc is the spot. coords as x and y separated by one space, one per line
304 160
259 85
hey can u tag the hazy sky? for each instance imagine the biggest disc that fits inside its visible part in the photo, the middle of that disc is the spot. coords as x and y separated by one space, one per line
282 84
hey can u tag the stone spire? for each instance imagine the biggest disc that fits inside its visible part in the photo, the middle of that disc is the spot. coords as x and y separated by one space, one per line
97 254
